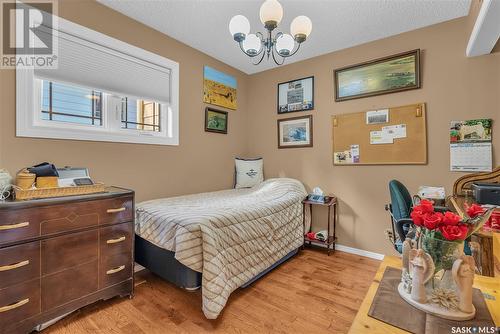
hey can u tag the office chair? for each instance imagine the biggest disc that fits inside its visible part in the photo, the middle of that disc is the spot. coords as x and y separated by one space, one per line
400 209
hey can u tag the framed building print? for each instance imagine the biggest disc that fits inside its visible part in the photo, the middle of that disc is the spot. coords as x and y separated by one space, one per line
380 76
216 120
296 95
295 132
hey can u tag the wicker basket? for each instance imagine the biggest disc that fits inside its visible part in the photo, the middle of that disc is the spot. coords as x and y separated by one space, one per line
25 194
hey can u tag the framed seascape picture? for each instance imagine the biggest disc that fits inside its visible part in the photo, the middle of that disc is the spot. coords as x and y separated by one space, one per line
380 76
216 120
296 95
219 88
295 132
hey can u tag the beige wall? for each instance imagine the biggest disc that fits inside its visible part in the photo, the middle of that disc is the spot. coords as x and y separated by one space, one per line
453 86
203 161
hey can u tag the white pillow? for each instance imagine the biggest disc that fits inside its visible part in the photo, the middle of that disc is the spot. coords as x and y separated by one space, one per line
249 172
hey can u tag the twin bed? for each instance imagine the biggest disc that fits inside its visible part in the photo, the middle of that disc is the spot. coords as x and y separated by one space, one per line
222 240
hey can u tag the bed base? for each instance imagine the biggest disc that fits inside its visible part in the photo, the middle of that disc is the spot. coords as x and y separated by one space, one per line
162 262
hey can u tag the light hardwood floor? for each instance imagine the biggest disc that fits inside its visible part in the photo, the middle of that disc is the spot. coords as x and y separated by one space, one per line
310 293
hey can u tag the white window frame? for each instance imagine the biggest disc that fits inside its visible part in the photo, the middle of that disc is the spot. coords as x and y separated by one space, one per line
29 122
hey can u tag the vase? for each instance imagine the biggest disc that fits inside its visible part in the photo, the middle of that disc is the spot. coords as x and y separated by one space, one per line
443 254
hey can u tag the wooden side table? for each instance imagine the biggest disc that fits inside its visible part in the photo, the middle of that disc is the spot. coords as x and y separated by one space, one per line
332 238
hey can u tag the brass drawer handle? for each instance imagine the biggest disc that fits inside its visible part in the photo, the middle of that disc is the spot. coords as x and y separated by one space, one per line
14 226
116 210
15 265
15 305
115 270
115 241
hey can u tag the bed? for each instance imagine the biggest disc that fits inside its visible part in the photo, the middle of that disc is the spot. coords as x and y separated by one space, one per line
225 239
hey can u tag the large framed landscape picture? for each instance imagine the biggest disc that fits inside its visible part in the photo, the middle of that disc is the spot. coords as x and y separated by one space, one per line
216 120
296 95
219 88
380 76
295 132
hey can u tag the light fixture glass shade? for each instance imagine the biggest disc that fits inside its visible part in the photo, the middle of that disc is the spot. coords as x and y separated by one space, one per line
271 10
301 25
285 44
239 24
252 44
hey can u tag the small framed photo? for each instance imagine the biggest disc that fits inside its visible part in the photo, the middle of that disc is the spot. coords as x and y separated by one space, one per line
216 120
295 132
296 95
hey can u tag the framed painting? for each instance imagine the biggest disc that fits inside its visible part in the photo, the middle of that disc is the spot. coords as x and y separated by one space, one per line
219 88
295 132
296 95
216 120
386 75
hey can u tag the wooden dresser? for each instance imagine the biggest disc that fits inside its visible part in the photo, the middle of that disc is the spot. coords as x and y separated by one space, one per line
58 255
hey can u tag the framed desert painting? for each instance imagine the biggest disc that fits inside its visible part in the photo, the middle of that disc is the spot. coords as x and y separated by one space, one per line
219 88
380 76
295 132
216 120
296 95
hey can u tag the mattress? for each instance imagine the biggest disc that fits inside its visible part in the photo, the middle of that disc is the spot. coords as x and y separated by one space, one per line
229 236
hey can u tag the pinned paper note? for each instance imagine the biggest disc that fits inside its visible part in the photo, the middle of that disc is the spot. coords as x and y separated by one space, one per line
377 116
355 153
395 131
343 157
380 137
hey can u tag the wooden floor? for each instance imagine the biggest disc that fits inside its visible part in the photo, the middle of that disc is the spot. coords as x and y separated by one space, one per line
310 293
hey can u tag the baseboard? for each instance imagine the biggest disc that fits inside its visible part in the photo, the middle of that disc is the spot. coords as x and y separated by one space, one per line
360 252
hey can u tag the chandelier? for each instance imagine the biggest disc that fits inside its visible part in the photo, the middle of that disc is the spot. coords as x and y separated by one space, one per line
279 47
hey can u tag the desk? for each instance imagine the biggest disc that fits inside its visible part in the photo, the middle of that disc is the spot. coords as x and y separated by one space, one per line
488 240
364 324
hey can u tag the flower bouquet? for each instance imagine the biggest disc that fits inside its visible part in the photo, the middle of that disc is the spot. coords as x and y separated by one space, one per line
437 276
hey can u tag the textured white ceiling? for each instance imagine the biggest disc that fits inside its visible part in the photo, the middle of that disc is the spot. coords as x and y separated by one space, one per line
337 24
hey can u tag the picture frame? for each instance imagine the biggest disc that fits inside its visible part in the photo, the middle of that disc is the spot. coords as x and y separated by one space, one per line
296 95
216 120
219 88
395 73
295 132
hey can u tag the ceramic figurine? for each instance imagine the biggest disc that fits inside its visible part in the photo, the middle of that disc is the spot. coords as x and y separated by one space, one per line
418 272
406 256
463 274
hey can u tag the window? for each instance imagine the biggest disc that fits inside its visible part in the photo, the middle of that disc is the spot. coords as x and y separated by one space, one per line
141 115
102 90
66 103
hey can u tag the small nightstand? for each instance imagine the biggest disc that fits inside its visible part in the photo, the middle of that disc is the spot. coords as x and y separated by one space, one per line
330 241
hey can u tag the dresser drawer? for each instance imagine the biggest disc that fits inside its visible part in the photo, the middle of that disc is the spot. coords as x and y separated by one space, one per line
22 224
18 225
70 250
19 302
116 239
115 269
68 285
19 263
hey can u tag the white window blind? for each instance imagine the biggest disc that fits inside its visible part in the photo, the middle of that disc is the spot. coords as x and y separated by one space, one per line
93 65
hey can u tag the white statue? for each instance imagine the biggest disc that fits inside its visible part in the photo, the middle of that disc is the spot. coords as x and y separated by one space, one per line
418 270
463 274
406 256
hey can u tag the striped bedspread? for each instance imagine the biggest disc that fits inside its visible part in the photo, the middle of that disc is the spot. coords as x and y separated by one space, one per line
229 236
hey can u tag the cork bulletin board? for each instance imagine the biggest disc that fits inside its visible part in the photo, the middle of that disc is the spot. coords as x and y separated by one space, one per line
389 136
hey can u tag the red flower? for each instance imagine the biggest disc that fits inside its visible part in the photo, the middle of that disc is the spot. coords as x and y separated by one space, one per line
432 220
474 210
417 216
454 232
426 206
450 218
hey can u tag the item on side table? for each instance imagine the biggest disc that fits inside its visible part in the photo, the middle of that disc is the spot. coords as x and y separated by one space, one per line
316 196
249 172
326 238
25 180
47 182
311 235
438 276
321 235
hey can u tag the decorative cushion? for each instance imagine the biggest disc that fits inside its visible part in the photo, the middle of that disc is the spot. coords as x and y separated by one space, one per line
249 172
